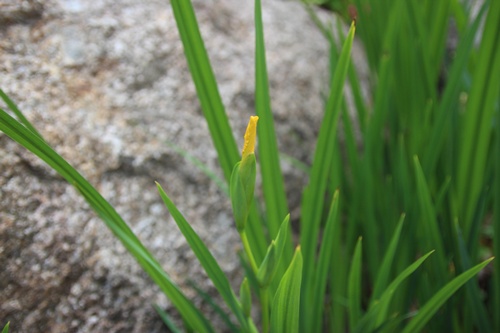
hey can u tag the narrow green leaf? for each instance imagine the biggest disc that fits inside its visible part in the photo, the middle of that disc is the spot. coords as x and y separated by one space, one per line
246 297
385 268
476 308
496 230
110 217
317 306
213 109
206 259
430 308
269 266
297 164
430 230
339 270
286 303
450 97
372 164
272 178
312 203
283 237
206 85
218 310
354 286
166 319
377 312
201 166
13 107
477 120
6 328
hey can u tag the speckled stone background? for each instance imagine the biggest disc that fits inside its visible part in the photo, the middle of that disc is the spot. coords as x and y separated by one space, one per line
107 85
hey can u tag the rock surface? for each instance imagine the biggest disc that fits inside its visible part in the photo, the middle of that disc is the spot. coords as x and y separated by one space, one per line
106 84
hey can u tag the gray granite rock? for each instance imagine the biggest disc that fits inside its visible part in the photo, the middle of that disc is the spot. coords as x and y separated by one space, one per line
107 85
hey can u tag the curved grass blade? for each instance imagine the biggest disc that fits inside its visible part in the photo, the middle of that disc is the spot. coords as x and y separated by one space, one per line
201 166
354 286
433 237
385 268
430 308
13 107
286 303
282 240
206 259
209 299
110 217
476 306
377 313
296 163
166 319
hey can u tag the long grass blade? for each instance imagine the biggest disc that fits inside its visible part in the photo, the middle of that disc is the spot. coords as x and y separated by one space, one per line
476 308
328 243
13 107
206 259
450 97
286 302
354 286
272 179
213 109
385 268
166 319
430 230
110 217
206 85
217 309
312 203
201 166
430 308
477 121
377 313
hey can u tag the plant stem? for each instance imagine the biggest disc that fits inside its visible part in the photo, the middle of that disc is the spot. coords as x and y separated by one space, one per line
248 251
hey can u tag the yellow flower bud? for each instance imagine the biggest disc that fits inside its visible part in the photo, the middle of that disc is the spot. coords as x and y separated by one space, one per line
250 137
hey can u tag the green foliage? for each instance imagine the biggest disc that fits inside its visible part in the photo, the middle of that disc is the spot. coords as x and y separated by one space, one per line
286 303
6 327
418 174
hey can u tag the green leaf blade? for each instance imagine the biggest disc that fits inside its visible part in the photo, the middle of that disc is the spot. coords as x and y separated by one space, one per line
213 109
286 303
354 286
272 178
432 306
206 259
110 217
328 244
312 203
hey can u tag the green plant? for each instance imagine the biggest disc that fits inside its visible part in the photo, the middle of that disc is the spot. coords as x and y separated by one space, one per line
6 328
430 147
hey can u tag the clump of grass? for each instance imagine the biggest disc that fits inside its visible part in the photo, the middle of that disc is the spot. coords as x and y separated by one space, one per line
401 228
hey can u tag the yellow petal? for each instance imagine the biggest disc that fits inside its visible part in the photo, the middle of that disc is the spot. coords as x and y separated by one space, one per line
250 137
